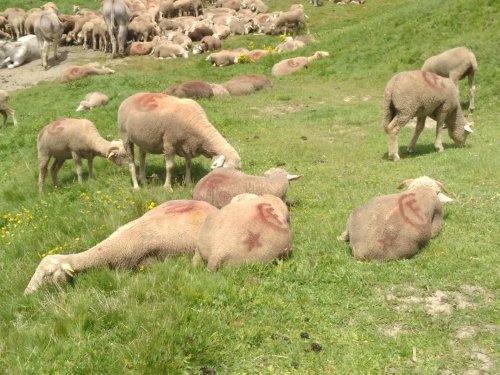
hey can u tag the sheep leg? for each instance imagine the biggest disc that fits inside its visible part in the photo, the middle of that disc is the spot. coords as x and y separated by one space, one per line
79 169
169 166
43 162
472 91
392 130
129 148
142 166
196 258
187 175
4 114
54 170
418 130
13 113
90 163
438 144
437 221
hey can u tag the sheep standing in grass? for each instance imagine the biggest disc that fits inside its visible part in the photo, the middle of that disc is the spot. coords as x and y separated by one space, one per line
396 226
169 229
456 64
93 100
223 184
163 124
5 110
75 139
289 66
422 94
251 229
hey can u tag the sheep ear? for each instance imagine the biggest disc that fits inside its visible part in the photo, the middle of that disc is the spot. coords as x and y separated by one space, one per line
219 162
468 129
441 186
293 177
69 271
444 198
405 183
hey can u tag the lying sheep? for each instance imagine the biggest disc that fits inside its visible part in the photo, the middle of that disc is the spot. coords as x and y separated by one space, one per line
5 110
223 184
422 94
13 54
142 48
219 90
163 124
251 229
75 139
169 229
396 226
207 43
190 89
225 57
78 72
93 100
289 66
456 64
169 50
247 84
289 45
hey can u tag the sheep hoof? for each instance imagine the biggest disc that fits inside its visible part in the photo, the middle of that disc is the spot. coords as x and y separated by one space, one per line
410 150
439 148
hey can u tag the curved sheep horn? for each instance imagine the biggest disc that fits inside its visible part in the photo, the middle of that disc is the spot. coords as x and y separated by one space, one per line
111 154
441 186
80 108
405 183
293 177
468 129
219 162
444 198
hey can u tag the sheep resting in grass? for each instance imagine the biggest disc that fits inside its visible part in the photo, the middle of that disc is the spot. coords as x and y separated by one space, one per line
289 45
78 72
289 66
456 64
422 94
76 139
93 100
251 229
190 89
5 109
223 184
163 124
247 84
396 226
169 229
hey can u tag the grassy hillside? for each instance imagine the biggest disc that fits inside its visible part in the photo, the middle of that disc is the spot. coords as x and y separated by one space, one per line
319 311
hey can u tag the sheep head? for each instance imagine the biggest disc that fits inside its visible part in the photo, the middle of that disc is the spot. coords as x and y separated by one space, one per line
116 152
52 268
427 182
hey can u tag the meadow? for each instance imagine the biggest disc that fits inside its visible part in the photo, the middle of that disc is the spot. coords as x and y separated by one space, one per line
318 312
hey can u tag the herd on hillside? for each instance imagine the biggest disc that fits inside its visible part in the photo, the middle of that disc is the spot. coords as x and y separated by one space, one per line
233 218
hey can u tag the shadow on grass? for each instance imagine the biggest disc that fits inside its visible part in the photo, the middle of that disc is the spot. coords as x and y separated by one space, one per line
420 151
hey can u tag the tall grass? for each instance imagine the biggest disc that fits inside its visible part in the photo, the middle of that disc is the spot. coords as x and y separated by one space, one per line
319 311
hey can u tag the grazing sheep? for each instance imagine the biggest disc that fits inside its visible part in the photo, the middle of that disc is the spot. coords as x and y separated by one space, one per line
456 64
48 31
75 139
247 84
289 66
162 124
251 229
5 110
422 94
223 184
190 89
117 16
78 72
295 17
396 226
169 229
93 100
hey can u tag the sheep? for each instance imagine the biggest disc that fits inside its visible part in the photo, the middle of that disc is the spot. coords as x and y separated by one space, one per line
294 17
48 30
251 229
16 18
289 66
223 184
218 89
70 138
142 48
77 72
422 94
17 53
179 38
5 110
142 29
456 64
93 100
247 84
207 43
196 34
165 124
256 6
225 57
396 226
169 50
117 16
190 89
169 229
289 45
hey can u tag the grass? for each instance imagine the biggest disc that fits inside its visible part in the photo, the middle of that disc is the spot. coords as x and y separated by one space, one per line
367 318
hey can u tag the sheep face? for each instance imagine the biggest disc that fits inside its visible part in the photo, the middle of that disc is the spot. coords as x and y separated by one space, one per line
116 152
53 269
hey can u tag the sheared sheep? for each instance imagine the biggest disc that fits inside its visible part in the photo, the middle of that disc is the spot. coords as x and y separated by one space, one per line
396 226
289 66
163 124
456 64
78 72
251 229
190 89
169 229
422 94
223 184
5 110
75 139
93 100
295 17
247 84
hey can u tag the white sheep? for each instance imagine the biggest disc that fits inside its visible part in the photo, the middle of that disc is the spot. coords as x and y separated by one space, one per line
396 226
163 124
456 64
225 57
422 94
5 109
75 139
169 229
295 17
289 45
251 229
223 184
93 100
289 66
13 54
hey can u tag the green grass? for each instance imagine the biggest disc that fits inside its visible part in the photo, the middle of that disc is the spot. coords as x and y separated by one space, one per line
171 318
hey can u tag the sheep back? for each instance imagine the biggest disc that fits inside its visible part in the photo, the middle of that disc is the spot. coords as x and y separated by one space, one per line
190 89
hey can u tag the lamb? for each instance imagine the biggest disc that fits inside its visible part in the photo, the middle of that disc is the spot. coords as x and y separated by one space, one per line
75 139
48 31
251 229
456 64
247 84
78 72
5 110
223 184
422 94
162 124
169 229
93 100
396 226
289 66
117 16
190 89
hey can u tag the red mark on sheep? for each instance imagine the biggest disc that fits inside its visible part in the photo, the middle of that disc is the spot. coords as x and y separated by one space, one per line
252 241
177 207
387 240
147 102
268 216
212 181
432 80
54 128
292 63
409 210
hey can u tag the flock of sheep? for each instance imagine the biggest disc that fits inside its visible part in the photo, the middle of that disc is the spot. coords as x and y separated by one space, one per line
235 218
